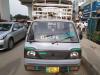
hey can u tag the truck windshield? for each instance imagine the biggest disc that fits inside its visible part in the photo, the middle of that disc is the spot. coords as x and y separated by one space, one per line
55 31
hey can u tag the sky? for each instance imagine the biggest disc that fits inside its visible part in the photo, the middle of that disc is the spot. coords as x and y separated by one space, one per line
17 8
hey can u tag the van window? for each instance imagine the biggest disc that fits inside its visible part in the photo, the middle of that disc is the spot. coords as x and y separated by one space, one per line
53 31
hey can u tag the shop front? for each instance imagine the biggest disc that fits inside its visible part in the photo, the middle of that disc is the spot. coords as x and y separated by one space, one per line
93 17
91 10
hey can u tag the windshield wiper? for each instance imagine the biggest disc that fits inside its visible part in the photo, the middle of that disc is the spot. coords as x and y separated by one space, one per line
49 35
62 39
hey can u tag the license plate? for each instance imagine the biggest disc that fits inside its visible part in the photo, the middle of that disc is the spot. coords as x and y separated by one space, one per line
52 69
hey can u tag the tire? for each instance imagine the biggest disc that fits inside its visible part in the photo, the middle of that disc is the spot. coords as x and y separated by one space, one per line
10 44
26 68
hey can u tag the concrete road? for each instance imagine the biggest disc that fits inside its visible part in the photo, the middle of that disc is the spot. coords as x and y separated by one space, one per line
11 63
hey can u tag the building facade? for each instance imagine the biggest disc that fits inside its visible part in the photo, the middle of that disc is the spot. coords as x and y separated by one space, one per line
28 3
92 9
81 2
4 10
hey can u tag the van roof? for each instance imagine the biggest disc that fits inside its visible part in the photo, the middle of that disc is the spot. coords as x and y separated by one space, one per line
63 20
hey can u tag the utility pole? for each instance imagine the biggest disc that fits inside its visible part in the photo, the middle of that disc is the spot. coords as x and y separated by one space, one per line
91 10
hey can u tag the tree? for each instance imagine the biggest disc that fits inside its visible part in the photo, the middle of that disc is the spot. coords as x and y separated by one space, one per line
19 16
11 17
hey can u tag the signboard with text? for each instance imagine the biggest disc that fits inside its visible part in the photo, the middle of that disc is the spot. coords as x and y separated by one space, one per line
87 9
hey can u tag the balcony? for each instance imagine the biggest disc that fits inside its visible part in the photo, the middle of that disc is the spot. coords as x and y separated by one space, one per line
47 1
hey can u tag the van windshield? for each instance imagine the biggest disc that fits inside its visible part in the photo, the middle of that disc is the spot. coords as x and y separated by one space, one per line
53 31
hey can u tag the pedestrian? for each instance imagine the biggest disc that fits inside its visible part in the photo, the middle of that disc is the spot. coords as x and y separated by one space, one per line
86 24
82 26
78 24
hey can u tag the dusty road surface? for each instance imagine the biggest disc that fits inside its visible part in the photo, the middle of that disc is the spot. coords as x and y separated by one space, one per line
12 63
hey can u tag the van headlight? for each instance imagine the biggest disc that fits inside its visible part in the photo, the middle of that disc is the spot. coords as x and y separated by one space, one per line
31 53
74 55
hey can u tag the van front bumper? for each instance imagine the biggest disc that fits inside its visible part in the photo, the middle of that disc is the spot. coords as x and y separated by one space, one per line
64 65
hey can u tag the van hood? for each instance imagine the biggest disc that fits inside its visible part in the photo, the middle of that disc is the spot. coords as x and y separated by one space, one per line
50 46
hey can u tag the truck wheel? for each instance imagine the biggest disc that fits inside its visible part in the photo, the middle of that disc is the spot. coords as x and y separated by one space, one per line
10 44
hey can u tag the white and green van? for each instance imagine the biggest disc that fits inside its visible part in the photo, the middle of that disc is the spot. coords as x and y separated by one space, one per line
52 46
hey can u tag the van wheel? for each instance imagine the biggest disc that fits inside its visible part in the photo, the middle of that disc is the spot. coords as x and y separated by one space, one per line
10 44
26 68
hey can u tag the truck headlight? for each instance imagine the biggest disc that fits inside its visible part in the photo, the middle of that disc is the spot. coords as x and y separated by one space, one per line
31 53
74 55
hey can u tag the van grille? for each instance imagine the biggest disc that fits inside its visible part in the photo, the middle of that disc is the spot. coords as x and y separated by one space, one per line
53 54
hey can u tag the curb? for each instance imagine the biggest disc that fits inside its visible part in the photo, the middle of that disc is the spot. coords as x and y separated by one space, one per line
90 69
